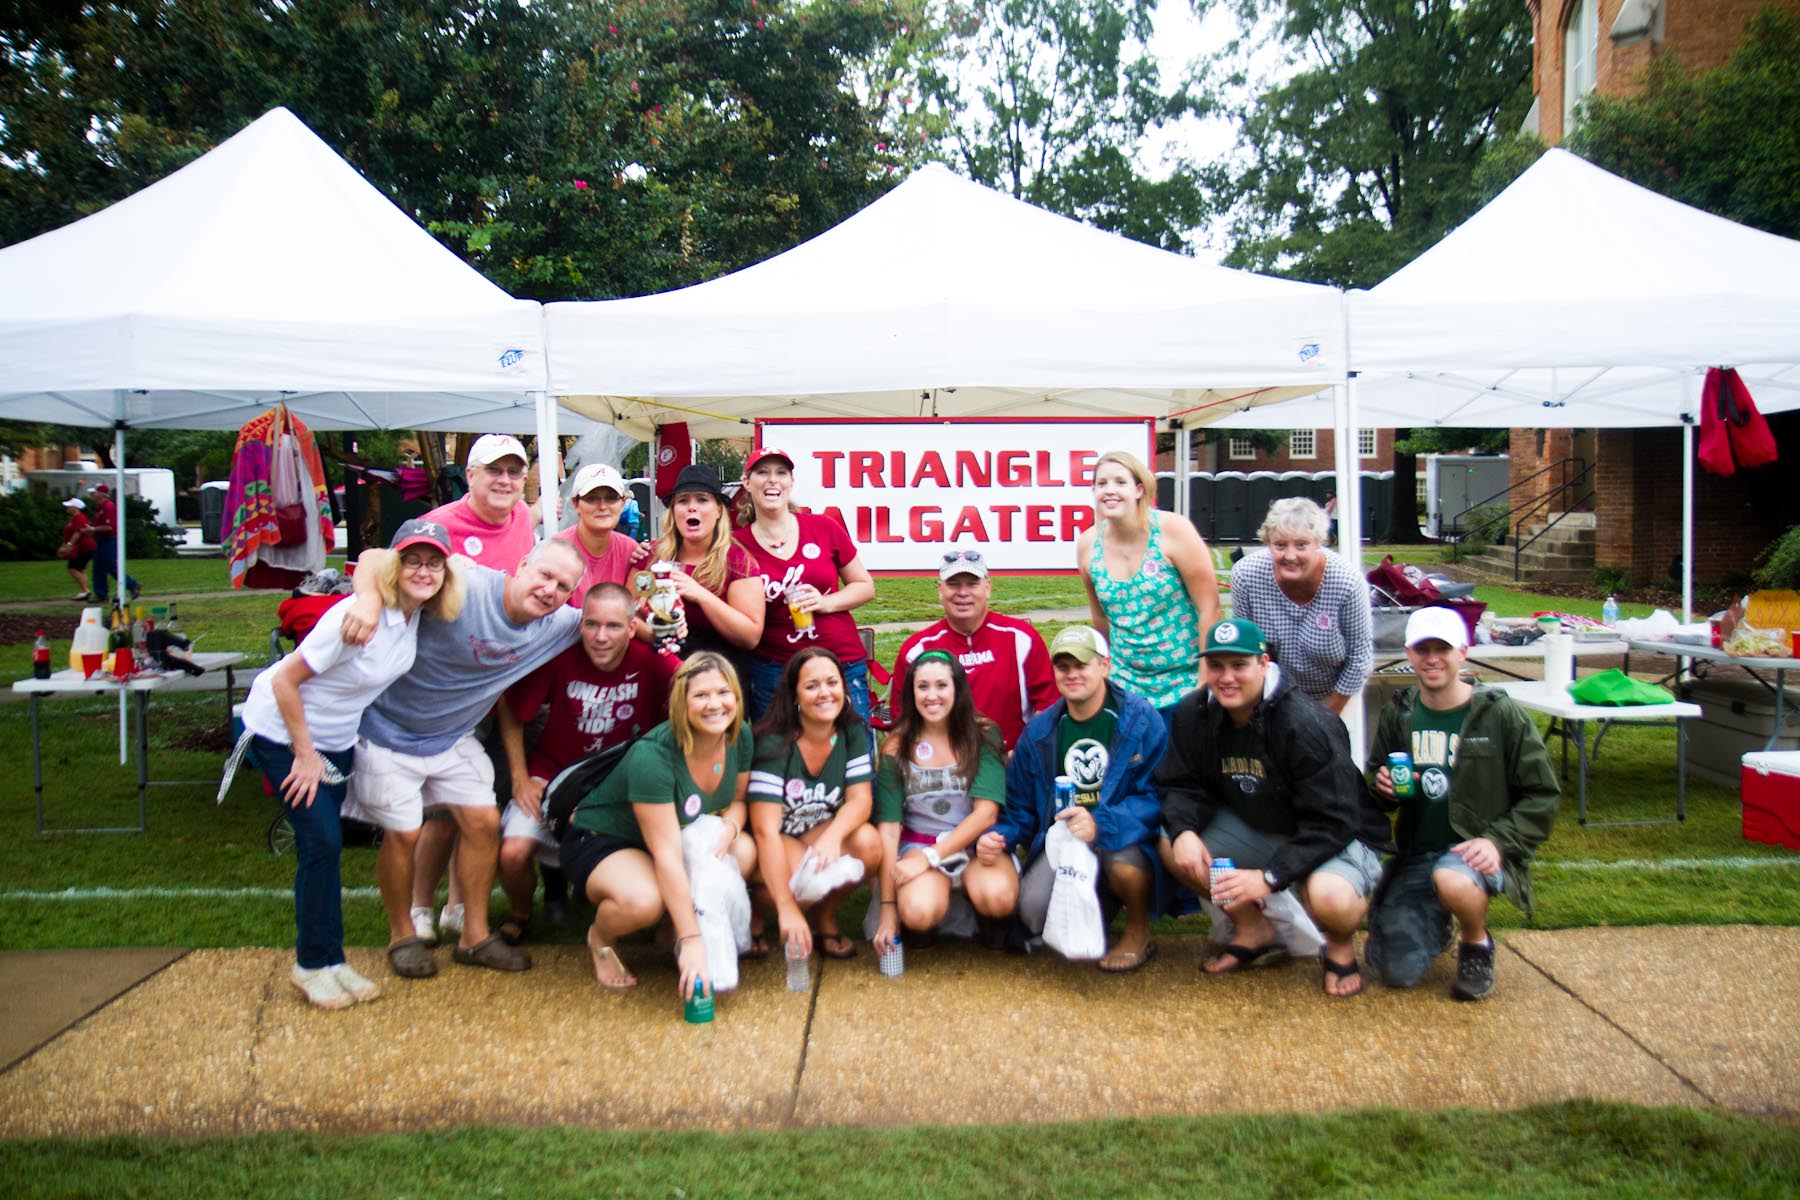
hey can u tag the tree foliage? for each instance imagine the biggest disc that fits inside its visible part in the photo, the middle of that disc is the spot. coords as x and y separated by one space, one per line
1057 102
1364 154
565 148
1725 140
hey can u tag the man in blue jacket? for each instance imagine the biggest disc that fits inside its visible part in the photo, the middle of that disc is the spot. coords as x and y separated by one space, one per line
1108 741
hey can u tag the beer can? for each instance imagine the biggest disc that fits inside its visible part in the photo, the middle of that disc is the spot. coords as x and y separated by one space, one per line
1219 867
1065 792
893 960
1400 769
697 1008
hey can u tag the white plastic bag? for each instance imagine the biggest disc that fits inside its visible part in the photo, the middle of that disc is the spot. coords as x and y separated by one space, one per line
812 884
1294 926
1073 926
721 902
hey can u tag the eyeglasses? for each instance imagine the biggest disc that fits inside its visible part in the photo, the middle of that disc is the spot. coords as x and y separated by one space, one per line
509 472
414 563
604 496
951 556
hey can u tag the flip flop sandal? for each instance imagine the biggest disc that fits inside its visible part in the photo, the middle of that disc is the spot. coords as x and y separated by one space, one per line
759 949
836 945
1129 960
515 929
411 958
1245 957
600 955
1342 971
492 953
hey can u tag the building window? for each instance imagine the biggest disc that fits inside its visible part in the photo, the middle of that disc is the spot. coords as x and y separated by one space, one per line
1365 443
1581 57
1303 443
1240 448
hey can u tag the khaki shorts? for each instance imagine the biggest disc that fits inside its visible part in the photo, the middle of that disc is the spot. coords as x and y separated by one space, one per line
393 789
515 822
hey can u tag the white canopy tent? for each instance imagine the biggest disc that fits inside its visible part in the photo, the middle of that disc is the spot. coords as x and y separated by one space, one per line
265 271
1573 300
944 298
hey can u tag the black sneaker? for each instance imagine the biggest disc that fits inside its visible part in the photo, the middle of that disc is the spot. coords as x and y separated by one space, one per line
135 589
1474 971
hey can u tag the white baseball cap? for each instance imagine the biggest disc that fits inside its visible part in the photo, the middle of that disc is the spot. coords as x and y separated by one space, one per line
491 447
598 475
1443 624
74 502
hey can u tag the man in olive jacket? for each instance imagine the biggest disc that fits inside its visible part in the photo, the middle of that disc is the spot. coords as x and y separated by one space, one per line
1261 773
1483 797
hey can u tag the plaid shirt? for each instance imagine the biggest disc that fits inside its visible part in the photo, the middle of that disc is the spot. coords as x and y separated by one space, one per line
1323 647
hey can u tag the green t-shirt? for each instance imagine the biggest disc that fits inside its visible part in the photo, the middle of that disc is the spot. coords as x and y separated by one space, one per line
931 799
779 776
1245 778
655 772
1425 815
1084 750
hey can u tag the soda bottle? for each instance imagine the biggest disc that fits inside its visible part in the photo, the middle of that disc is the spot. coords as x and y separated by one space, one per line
40 656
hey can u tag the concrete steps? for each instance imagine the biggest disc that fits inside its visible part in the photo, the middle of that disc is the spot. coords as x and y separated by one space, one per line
1563 555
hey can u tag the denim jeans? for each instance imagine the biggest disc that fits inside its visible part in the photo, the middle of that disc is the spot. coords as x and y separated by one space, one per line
765 677
106 565
318 843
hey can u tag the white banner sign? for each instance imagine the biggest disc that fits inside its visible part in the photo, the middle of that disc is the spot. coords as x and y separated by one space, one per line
1018 491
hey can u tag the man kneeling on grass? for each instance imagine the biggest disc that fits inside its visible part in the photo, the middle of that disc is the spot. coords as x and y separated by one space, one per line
1482 800
1261 773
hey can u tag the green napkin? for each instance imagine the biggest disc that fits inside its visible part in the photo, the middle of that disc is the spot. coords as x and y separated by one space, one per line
1618 689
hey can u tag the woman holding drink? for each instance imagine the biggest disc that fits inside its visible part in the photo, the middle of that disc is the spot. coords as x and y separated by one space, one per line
623 848
811 577
940 786
809 794
720 590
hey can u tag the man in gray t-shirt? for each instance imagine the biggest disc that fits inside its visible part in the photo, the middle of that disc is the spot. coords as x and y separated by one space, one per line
417 748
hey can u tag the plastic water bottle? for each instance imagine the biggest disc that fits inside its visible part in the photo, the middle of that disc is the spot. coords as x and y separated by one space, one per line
799 976
1609 613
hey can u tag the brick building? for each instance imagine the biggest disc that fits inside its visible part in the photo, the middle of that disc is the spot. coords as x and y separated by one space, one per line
1306 450
1605 46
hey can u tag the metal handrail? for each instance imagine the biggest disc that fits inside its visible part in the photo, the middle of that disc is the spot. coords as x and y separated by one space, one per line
1505 518
1556 493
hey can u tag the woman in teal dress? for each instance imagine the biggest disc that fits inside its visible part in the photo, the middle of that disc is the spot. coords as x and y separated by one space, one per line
1150 584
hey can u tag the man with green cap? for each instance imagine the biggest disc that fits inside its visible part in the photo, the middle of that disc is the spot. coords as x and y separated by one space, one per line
1261 773
1482 800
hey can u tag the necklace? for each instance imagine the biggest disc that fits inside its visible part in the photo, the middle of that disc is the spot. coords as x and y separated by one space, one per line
768 538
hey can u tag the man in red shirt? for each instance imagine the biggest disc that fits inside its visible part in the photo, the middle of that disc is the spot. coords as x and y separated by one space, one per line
1005 657
79 540
105 531
607 688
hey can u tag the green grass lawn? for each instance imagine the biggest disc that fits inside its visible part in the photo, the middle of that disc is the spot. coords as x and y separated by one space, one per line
1568 1149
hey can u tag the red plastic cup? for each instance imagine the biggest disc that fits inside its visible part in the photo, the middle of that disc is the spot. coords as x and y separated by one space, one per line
90 665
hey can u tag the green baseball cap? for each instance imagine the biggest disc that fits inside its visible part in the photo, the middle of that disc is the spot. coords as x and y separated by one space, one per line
1234 635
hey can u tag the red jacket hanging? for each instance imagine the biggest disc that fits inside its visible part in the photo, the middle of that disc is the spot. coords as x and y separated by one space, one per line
1733 433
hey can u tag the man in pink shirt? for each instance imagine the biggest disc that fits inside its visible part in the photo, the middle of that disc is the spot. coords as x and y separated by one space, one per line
1005 658
492 524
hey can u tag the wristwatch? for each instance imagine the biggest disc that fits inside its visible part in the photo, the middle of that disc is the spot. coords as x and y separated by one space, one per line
1269 878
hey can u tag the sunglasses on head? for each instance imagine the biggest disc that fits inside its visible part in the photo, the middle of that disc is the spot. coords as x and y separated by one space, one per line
951 556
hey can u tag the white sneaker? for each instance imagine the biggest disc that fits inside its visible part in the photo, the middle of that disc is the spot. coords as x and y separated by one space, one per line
355 986
450 921
321 987
422 926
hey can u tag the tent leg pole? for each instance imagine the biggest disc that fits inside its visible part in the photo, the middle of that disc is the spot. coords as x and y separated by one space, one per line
1184 445
1687 522
549 485
119 524
1349 498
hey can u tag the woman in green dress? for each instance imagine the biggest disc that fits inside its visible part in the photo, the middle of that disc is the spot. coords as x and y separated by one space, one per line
624 842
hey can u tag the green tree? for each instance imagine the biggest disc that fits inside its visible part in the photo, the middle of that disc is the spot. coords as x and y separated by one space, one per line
1725 140
1057 102
1365 152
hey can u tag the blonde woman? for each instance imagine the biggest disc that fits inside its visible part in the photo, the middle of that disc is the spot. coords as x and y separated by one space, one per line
721 592
1150 584
623 848
303 715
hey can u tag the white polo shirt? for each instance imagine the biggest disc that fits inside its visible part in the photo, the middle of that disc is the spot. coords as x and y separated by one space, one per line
346 679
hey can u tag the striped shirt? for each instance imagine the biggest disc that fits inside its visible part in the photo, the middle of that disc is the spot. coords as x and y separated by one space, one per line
1325 646
778 775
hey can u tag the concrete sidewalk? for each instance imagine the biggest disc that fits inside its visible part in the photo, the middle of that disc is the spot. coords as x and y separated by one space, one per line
219 1042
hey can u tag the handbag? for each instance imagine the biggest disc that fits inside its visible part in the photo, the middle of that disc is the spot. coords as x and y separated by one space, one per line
574 783
1733 433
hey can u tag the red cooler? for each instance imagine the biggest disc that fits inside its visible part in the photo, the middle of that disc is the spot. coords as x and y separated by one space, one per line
1771 796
